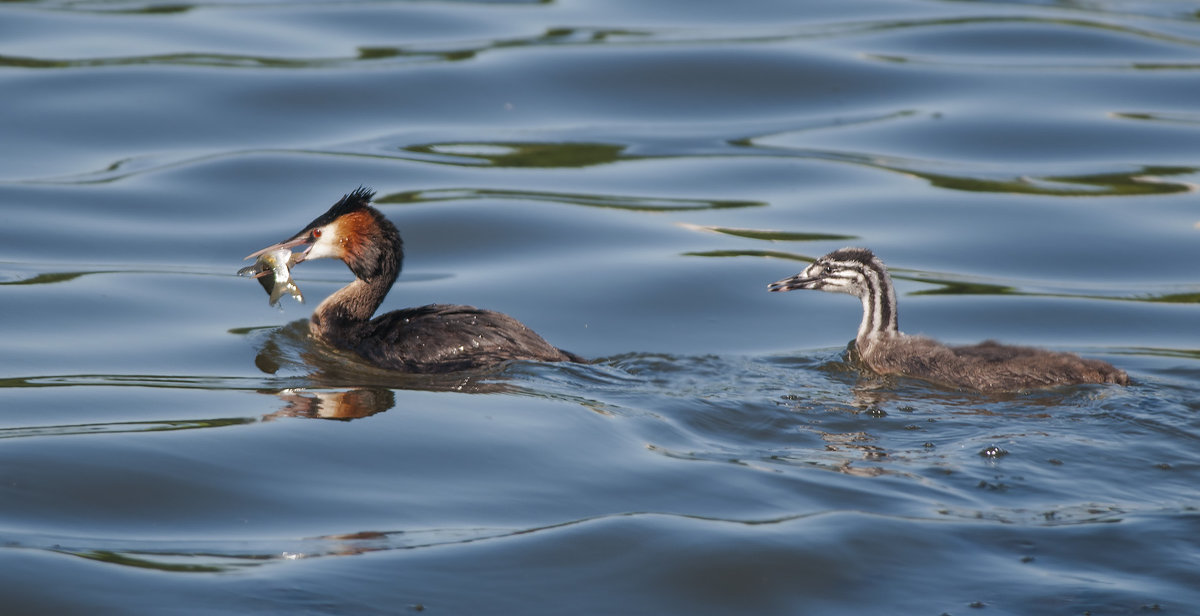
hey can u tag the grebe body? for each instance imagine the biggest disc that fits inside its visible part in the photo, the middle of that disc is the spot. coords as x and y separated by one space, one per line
988 366
434 338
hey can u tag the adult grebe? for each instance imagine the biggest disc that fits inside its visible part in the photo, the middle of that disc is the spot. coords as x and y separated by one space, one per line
435 338
987 366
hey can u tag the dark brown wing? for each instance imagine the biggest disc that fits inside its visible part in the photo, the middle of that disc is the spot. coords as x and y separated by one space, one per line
446 338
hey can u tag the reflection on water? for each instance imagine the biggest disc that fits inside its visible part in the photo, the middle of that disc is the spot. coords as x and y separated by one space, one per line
228 555
372 55
300 360
61 277
50 278
772 254
120 427
158 562
615 202
1143 181
152 381
344 405
310 367
1189 119
770 235
501 154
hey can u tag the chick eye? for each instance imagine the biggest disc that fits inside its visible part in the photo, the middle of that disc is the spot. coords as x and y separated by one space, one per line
316 233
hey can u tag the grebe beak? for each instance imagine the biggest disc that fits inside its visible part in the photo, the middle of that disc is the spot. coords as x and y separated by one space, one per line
799 281
303 239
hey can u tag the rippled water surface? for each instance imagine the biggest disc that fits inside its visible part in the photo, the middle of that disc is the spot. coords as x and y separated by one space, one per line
625 177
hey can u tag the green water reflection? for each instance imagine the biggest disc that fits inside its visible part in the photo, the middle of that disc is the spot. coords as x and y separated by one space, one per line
1141 181
117 558
461 51
525 154
124 427
507 154
51 278
615 202
772 235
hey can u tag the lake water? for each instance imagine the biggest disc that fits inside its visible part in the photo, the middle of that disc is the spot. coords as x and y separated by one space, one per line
625 177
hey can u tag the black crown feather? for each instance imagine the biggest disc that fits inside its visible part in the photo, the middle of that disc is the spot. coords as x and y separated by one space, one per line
356 200
860 255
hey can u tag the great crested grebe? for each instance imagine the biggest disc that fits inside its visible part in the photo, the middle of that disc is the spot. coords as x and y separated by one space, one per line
988 366
434 338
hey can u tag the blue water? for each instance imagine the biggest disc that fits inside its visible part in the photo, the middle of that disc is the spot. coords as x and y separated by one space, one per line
625 177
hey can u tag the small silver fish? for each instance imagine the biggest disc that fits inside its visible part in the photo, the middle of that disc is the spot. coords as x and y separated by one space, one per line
279 263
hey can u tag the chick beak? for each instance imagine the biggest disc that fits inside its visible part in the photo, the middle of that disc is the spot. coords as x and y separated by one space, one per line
799 281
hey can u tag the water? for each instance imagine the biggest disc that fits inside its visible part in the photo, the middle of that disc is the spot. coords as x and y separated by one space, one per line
626 178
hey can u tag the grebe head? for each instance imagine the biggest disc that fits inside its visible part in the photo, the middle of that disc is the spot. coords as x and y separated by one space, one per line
847 270
352 231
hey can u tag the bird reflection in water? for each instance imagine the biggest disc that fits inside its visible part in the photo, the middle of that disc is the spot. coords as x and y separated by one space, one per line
326 383
344 405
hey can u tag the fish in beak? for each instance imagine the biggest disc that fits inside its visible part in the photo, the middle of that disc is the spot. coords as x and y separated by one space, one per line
273 270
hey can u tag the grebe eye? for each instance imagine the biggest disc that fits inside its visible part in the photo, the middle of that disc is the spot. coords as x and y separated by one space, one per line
316 233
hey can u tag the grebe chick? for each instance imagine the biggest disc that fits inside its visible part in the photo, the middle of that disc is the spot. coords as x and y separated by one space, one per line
988 366
434 338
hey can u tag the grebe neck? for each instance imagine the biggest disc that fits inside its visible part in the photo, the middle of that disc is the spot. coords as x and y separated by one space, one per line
344 314
879 320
